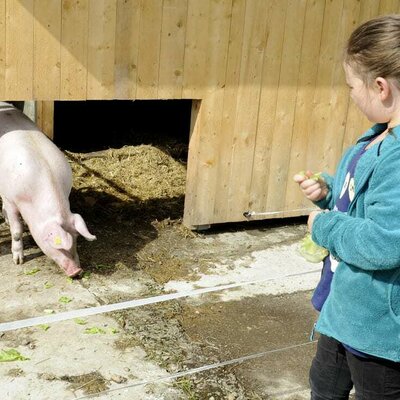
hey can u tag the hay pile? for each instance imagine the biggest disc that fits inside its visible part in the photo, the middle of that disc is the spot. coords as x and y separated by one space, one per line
140 182
130 173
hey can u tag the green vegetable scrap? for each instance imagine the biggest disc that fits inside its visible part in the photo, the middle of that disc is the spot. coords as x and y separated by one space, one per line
64 299
80 321
45 327
11 355
86 275
317 176
48 285
32 271
102 267
311 251
94 331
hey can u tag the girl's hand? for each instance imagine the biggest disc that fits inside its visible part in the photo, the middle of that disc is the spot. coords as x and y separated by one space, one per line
312 185
311 218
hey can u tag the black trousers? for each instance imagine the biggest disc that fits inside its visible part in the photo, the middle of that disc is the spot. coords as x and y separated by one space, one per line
335 370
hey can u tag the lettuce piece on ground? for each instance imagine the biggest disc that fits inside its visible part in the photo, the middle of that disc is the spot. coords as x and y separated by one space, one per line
94 331
32 271
45 327
80 321
11 355
64 299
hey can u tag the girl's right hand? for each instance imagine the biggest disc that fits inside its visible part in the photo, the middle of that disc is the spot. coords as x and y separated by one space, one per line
312 185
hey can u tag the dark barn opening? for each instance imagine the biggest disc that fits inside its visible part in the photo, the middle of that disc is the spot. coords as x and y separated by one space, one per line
88 126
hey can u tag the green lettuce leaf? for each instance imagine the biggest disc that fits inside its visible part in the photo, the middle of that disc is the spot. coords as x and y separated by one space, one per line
11 355
311 251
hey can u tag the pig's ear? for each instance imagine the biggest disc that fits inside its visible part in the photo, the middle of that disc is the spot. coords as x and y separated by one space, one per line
58 238
81 227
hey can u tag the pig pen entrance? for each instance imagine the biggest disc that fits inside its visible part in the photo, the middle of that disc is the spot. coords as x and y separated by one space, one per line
129 169
87 126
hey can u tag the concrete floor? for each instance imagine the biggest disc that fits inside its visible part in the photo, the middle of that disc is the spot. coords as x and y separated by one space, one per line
271 320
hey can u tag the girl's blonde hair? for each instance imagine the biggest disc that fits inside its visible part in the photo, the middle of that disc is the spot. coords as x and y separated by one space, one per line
373 49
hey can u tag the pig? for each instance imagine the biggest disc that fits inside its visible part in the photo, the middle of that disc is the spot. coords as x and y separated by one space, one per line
35 183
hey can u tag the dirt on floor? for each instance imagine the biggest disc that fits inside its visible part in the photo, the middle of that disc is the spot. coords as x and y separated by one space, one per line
132 200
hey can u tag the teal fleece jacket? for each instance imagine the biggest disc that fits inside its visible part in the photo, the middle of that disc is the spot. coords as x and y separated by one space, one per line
363 307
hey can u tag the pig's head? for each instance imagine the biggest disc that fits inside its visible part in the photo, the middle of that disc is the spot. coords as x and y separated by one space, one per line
60 243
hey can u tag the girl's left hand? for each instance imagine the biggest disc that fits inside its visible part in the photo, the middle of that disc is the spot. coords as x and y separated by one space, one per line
311 218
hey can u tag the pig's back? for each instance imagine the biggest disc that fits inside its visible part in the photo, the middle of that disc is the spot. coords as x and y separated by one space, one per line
31 164
12 119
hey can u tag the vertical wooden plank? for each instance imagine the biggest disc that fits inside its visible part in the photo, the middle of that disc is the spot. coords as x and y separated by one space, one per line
388 7
217 44
201 186
331 100
196 47
126 48
286 100
304 101
2 48
19 50
339 99
276 16
322 106
356 122
74 38
149 49
202 174
172 49
246 116
190 209
47 49
101 49
225 141
45 117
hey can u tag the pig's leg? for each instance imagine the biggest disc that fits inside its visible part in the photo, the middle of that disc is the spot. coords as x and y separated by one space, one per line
13 218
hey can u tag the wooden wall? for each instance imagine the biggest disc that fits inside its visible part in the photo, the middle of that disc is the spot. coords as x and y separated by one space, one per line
266 75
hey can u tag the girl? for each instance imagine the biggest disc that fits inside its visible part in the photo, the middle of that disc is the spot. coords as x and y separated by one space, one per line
359 292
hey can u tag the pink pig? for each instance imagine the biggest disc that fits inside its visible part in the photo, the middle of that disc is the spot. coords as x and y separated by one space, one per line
35 183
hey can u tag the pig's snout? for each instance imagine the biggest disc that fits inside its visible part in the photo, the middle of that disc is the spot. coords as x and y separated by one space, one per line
72 270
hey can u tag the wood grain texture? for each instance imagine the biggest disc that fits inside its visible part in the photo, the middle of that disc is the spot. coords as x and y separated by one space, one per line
266 75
